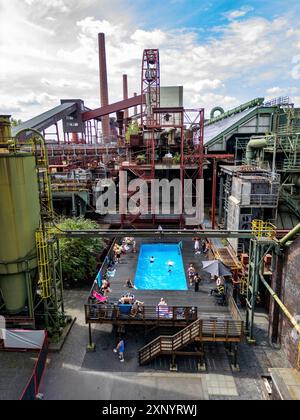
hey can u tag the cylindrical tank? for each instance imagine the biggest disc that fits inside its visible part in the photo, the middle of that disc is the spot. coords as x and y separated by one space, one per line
19 219
5 128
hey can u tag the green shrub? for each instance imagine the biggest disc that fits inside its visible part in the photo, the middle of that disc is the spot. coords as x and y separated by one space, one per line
79 256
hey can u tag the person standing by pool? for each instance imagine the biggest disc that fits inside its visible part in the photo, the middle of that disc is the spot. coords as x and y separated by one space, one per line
197 280
134 250
191 272
197 246
120 349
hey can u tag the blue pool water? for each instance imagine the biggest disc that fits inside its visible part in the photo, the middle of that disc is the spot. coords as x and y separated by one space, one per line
156 275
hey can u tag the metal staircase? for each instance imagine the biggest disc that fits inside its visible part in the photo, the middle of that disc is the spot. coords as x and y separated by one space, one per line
163 345
205 330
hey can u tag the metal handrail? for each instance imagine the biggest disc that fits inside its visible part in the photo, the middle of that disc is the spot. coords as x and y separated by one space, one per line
152 313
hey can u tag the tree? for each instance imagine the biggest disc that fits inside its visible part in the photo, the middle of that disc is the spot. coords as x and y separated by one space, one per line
79 256
132 129
15 123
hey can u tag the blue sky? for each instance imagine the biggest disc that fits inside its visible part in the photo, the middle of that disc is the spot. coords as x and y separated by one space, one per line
223 52
205 15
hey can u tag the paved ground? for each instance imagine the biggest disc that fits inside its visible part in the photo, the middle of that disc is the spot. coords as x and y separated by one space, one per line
75 374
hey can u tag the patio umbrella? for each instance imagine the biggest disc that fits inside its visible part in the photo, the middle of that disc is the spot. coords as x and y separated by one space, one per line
216 268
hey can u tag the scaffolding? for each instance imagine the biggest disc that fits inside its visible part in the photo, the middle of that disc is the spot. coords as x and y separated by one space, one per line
50 283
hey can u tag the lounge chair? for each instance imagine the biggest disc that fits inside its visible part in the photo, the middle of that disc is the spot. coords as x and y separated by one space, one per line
99 297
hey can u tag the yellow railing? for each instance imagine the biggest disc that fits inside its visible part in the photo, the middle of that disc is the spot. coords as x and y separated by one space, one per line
243 285
43 263
263 229
43 174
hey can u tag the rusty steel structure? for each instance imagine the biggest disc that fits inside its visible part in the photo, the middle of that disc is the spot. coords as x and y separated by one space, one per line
150 85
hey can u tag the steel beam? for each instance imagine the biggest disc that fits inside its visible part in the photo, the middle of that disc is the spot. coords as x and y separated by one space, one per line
112 108
152 233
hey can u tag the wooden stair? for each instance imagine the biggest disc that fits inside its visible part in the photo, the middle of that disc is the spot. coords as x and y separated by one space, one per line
170 344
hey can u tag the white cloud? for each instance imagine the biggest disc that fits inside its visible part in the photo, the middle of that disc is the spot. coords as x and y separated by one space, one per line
55 5
235 14
49 59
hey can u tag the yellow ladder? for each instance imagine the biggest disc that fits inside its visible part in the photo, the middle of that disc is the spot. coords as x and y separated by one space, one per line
43 175
43 263
243 285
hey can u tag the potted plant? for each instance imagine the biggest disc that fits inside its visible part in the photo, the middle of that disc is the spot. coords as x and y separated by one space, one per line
177 158
141 159
132 135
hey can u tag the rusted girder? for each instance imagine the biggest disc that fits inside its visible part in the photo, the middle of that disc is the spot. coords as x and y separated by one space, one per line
112 108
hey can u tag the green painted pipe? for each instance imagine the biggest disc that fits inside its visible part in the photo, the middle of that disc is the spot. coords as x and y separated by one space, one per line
216 109
290 235
237 110
255 144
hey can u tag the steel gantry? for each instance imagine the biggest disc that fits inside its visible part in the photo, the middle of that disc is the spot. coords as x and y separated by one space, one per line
50 283
264 243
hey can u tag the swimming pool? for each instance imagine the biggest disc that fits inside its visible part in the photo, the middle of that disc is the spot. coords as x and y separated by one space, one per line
156 275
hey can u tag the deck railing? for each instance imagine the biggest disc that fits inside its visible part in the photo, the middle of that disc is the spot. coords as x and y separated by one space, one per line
160 314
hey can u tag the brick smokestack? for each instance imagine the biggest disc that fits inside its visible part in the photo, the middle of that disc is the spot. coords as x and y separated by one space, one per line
103 83
125 93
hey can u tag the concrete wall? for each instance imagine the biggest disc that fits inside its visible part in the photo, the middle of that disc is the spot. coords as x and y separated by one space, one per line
171 96
291 298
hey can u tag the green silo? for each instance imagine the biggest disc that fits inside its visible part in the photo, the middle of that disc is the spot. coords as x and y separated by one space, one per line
19 219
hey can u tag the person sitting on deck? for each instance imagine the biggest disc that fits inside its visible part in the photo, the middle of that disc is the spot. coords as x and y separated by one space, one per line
162 302
105 288
219 285
162 309
129 283
137 308
127 299
125 248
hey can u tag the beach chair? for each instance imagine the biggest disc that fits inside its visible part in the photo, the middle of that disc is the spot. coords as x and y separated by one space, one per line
99 297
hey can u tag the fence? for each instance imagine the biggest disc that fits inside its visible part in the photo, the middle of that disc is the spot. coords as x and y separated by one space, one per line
158 314
32 388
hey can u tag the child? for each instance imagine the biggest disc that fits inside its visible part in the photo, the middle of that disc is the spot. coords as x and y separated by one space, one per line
120 349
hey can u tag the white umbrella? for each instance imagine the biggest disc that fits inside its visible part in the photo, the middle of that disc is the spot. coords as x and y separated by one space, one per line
216 268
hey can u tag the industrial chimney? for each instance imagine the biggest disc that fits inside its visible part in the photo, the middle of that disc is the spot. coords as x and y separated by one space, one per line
103 84
125 93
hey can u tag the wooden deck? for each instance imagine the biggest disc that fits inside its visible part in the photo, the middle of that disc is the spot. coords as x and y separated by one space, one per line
202 300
